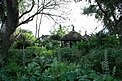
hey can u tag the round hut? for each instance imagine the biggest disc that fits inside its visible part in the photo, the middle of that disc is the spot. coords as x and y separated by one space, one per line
70 38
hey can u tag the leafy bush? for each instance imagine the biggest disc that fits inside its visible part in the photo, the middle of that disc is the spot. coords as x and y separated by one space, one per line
94 60
68 54
4 76
64 64
60 71
98 41
102 60
24 39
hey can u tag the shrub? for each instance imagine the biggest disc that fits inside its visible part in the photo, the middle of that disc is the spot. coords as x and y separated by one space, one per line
68 54
97 60
98 41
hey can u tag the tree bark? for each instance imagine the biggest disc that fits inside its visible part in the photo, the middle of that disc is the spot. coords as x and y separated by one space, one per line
11 7
11 25
119 25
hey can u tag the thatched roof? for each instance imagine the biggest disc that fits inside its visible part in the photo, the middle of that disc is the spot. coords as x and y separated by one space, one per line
72 36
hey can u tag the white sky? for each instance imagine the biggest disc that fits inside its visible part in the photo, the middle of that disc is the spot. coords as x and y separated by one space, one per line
81 22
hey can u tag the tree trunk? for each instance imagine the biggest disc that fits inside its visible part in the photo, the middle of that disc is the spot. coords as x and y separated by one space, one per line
11 25
119 25
120 39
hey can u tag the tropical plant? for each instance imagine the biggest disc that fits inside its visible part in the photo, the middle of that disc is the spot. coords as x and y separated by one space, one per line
24 39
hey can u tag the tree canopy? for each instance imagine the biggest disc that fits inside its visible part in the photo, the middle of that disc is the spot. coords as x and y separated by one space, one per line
14 13
107 10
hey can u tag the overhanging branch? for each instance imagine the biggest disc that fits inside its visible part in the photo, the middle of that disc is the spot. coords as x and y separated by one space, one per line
28 10
31 17
100 7
112 25
43 6
28 19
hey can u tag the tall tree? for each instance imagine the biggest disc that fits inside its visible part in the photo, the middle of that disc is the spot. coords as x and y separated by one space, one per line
14 13
109 11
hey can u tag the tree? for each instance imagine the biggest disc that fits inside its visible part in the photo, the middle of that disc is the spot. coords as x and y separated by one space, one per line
14 13
24 39
109 11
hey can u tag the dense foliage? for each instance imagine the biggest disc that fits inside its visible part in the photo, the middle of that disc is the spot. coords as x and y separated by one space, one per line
98 59
109 11
43 59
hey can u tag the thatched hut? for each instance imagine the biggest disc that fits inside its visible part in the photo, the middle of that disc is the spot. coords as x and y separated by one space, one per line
70 38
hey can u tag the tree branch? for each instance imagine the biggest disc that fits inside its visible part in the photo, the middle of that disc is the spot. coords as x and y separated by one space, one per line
28 19
48 5
52 15
111 26
28 10
100 7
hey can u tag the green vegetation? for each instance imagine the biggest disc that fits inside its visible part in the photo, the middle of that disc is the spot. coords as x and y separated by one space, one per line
24 57
98 59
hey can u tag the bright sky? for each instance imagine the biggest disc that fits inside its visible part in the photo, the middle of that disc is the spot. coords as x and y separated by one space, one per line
81 22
